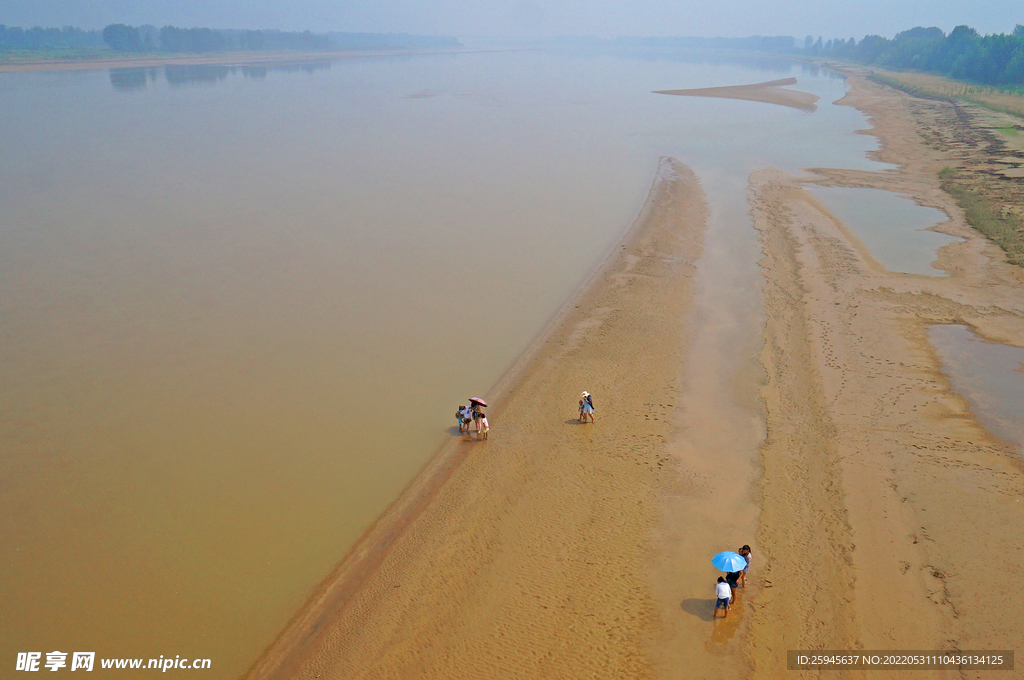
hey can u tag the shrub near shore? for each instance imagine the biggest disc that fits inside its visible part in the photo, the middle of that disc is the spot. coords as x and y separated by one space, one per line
1002 228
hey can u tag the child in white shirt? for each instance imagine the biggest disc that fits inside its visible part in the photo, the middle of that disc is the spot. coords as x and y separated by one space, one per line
724 593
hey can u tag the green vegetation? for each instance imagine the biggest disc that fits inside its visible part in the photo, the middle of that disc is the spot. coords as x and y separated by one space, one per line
15 39
883 79
991 60
1009 131
122 38
1001 227
173 39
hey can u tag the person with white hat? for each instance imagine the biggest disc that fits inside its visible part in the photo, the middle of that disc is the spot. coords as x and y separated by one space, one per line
588 407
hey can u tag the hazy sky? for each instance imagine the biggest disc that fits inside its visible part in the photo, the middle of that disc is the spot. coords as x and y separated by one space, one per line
849 18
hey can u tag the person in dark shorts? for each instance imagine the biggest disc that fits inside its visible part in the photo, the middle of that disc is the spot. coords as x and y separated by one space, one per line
724 594
733 579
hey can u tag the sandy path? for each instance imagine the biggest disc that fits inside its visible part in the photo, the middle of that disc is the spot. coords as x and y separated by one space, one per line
887 509
531 559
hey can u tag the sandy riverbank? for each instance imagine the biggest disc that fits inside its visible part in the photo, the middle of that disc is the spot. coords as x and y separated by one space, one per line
888 512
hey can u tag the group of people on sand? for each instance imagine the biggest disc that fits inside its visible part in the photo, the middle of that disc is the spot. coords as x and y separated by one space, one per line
725 589
472 415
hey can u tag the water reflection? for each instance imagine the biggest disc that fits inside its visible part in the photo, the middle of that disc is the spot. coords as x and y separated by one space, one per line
195 73
256 72
177 75
130 79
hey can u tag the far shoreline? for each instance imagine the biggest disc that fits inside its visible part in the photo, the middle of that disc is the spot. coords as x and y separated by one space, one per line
220 59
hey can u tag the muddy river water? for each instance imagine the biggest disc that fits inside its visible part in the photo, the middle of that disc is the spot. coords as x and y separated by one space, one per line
240 306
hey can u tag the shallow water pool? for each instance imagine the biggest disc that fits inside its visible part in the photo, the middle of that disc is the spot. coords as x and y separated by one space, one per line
989 375
892 227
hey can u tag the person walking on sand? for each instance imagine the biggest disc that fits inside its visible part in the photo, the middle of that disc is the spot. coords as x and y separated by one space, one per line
588 407
744 552
582 419
724 594
484 425
460 417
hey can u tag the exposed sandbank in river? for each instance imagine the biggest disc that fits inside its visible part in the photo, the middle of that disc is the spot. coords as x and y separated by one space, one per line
885 505
770 92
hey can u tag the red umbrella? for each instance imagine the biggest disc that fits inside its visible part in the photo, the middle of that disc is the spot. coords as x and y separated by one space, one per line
477 400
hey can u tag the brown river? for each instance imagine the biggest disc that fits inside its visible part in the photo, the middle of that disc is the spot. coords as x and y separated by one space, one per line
239 307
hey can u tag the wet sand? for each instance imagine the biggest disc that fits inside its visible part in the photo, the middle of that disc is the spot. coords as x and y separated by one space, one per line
771 92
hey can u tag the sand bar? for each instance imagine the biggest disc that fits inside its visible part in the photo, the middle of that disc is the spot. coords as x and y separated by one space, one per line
770 92
530 558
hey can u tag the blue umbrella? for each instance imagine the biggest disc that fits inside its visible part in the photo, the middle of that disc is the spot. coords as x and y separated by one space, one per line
728 561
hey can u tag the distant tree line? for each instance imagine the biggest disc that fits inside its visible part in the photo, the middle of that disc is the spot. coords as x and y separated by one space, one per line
124 38
15 38
173 39
147 38
964 54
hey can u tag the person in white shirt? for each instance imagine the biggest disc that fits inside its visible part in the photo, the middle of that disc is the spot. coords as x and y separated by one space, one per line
724 593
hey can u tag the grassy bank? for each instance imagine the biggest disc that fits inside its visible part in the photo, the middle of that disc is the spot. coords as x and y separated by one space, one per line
1005 100
1003 228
